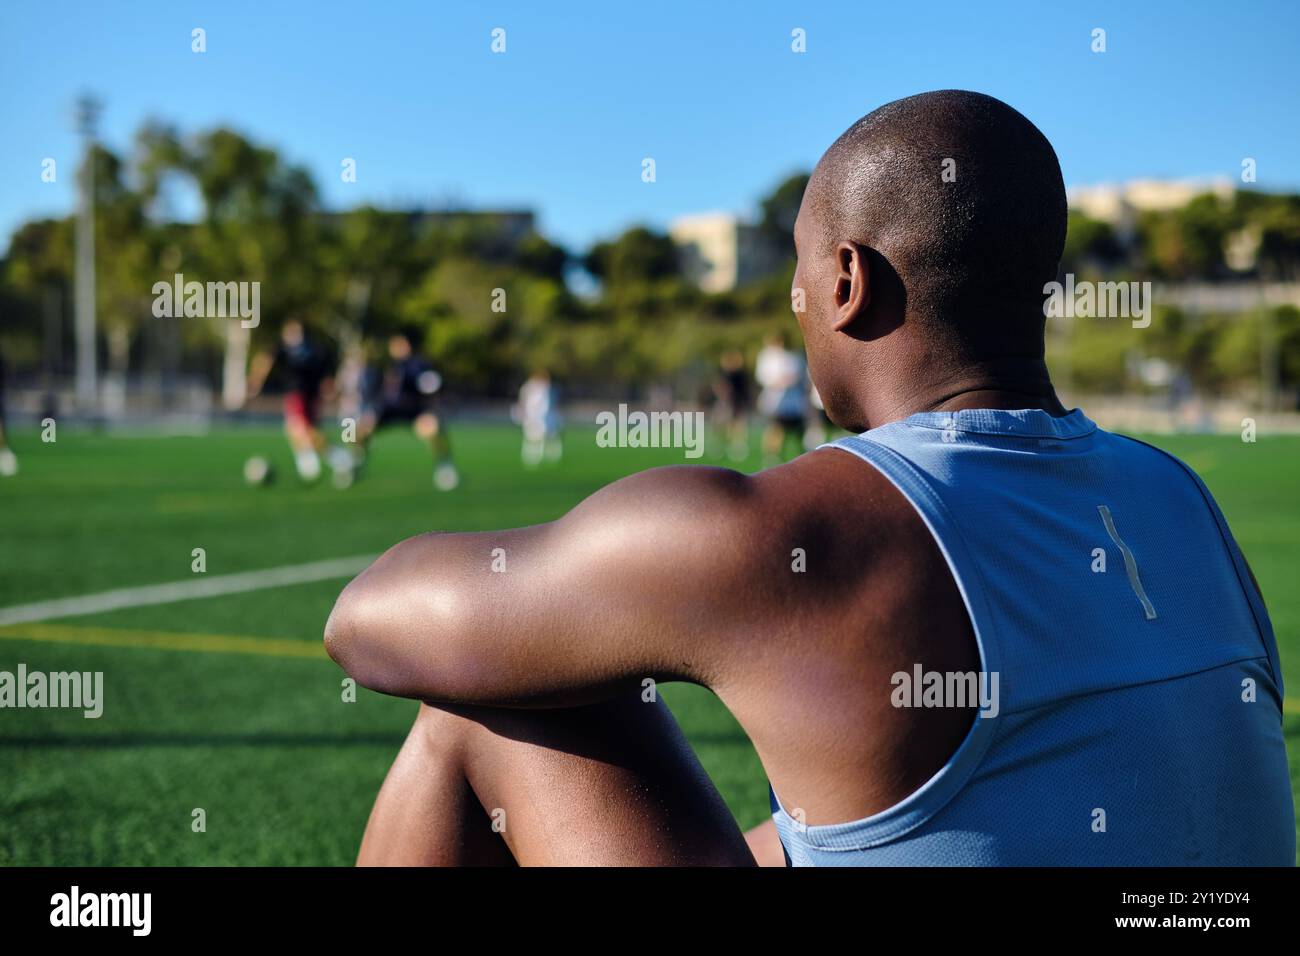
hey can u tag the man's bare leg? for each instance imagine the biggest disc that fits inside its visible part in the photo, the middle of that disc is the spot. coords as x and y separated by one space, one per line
426 813
613 783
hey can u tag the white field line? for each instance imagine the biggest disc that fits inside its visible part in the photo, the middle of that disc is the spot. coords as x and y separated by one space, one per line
200 587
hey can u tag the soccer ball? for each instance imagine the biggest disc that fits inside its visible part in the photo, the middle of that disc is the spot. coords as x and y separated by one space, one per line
258 471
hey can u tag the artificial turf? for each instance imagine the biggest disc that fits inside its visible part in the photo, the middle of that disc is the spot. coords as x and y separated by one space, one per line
259 737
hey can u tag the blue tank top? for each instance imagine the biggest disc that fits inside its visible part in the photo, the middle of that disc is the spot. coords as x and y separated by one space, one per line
1139 710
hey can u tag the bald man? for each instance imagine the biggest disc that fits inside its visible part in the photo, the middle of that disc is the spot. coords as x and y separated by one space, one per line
983 631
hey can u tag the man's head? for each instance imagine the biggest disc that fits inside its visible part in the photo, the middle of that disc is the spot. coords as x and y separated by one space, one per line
399 347
291 333
926 234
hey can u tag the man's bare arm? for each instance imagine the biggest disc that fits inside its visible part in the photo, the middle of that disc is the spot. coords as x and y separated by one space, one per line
647 578
259 368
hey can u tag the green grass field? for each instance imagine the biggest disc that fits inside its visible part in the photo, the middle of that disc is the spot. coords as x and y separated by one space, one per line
254 731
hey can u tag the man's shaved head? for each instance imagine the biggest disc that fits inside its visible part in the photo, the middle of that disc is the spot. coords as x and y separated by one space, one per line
956 201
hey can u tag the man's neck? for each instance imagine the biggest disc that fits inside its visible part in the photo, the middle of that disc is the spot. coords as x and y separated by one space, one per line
995 396
998 383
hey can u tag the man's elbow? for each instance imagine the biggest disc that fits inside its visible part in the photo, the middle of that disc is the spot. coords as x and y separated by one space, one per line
384 650
352 643
337 633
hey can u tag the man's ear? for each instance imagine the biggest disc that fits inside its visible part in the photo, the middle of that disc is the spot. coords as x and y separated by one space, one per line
852 284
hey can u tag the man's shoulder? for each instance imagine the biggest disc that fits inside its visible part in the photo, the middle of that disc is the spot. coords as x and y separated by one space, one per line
831 486
825 509
822 482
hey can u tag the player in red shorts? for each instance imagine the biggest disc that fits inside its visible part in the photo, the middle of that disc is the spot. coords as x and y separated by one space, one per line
308 368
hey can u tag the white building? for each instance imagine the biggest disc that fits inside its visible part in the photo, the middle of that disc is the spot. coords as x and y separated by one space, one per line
1120 203
720 252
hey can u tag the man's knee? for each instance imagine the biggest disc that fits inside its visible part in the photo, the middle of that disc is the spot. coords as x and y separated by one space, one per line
427 425
443 731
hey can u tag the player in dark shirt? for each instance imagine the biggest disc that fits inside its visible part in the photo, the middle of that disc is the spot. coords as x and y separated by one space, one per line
406 391
308 368
733 399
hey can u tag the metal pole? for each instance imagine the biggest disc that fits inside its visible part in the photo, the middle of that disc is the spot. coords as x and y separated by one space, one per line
87 385
1268 358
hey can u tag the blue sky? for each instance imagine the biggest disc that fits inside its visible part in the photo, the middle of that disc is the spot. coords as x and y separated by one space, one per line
711 91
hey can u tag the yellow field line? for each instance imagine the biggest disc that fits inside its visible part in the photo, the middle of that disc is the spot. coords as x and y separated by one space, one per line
163 640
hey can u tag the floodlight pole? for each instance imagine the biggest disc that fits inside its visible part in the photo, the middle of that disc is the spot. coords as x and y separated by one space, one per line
87 384
1269 373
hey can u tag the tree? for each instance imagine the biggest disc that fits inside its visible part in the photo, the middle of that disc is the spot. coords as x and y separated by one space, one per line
638 255
1188 242
1089 243
258 225
779 211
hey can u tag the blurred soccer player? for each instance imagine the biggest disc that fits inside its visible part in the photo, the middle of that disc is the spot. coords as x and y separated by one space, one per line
404 392
539 417
780 372
308 368
732 402
8 461
984 631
